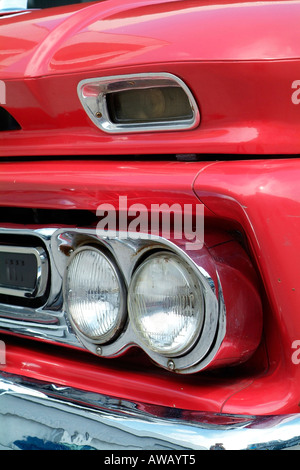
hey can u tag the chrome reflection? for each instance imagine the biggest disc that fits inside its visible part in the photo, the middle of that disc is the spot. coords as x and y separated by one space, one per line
13 5
72 418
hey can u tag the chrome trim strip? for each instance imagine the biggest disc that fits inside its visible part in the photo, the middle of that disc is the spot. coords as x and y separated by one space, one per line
96 107
40 415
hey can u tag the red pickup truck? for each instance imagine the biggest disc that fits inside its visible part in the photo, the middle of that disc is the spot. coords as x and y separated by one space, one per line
149 225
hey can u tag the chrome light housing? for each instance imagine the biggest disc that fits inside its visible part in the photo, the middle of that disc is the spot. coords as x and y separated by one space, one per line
173 312
139 103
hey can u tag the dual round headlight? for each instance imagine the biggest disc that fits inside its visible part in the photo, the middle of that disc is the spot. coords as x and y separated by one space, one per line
94 295
165 304
165 301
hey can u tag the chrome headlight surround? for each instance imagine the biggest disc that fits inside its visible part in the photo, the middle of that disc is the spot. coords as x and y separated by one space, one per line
93 97
205 342
220 339
203 346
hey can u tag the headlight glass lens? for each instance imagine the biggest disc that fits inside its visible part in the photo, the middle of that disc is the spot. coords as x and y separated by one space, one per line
165 304
94 295
149 105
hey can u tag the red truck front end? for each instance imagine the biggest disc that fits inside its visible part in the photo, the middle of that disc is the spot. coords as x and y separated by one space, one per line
149 225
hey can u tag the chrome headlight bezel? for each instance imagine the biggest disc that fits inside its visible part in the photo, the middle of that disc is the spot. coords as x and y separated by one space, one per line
212 331
228 336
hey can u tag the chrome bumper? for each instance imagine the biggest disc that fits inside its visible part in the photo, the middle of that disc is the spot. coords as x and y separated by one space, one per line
38 415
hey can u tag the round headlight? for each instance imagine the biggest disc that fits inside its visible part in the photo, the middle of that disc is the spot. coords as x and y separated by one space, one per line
94 295
165 304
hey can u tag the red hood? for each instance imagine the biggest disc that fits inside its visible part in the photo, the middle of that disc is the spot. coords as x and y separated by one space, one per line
115 33
240 61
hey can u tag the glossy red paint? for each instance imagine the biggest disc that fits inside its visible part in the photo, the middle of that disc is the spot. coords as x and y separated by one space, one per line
243 195
243 86
117 34
263 197
68 368
84 184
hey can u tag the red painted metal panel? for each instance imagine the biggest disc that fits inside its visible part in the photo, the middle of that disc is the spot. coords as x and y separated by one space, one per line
241 61
264 198
248 195
244 77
